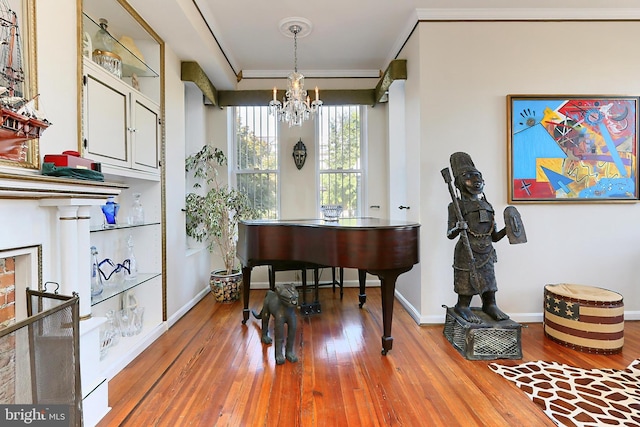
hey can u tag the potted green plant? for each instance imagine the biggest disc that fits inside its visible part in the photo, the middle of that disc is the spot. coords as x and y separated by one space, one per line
212 216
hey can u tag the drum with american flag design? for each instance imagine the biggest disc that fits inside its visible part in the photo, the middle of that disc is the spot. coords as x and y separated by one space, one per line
585 318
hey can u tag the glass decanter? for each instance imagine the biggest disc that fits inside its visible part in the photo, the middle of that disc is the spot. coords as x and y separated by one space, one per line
131 265
96 280
103 40
136 216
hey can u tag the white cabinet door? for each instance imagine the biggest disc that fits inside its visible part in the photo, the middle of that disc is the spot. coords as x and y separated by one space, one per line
121 126
106 119
145 133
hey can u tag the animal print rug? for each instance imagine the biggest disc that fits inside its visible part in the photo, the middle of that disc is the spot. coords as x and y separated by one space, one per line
579 397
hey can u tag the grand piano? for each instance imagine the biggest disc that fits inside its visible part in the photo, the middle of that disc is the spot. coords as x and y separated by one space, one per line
384 248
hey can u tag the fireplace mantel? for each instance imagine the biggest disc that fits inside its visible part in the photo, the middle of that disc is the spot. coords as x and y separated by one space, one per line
33 186
67 232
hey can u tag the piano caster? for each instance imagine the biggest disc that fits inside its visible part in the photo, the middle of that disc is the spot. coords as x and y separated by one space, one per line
362 298
245 316
387 343
313 308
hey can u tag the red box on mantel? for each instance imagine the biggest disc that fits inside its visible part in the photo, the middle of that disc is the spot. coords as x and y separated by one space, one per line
71 159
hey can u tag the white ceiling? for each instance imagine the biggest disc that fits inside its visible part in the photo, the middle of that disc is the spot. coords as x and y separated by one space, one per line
348 38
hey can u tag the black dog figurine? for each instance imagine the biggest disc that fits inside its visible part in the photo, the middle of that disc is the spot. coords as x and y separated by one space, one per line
281 304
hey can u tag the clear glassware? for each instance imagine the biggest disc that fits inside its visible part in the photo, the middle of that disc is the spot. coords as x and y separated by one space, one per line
96 280
136 216
103 40
132 265
138 319
112 327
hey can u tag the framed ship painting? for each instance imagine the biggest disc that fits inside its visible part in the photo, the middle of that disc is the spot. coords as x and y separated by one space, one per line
21 123
571 148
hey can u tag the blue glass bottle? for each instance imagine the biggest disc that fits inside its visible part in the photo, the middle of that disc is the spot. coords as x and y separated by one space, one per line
110 211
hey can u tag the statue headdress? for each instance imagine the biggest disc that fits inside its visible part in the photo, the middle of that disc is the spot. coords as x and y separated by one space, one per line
461 163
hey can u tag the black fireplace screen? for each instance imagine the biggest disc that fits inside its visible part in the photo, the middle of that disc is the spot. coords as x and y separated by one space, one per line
39 361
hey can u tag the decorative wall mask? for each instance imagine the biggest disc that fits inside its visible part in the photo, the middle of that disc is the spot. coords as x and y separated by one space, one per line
299 154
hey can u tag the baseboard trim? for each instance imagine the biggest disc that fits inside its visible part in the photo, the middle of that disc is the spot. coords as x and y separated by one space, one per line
127 358
188 306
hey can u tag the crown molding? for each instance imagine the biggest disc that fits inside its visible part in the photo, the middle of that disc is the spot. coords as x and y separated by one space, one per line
529 14
509 14
404 35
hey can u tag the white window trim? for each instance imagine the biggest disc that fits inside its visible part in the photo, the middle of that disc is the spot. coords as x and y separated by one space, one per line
363 192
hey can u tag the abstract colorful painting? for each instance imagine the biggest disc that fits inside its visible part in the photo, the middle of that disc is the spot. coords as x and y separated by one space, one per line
572 148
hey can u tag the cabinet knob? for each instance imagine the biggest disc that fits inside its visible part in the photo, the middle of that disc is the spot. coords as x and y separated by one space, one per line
403 207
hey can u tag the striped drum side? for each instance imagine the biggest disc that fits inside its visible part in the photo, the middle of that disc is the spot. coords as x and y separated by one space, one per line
585 318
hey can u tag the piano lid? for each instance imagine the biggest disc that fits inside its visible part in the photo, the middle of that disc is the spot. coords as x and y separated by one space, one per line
356 223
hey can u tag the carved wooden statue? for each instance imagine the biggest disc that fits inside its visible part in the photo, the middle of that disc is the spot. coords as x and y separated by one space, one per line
282 305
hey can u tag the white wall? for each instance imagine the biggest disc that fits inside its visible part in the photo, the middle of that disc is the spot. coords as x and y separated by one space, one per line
187 270
58 79
463 72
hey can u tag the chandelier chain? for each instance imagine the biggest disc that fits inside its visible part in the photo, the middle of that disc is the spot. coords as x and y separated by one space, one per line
295 30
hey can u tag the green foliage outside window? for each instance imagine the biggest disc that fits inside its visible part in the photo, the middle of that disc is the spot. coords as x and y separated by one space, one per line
340 158
256 159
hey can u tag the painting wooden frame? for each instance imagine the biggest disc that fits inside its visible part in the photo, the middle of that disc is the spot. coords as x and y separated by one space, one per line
572 148
25 10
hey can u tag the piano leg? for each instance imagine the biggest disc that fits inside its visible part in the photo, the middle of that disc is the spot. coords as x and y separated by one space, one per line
387 293
362 278
246 281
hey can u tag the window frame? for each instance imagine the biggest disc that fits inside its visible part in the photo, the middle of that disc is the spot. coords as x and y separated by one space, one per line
233 168
361 209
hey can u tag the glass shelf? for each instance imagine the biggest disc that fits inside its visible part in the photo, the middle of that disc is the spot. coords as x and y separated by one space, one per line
96 229
111 291
131 64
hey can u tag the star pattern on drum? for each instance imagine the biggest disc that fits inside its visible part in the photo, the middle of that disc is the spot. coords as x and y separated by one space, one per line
562 308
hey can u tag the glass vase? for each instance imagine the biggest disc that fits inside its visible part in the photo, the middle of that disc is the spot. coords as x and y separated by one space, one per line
110 211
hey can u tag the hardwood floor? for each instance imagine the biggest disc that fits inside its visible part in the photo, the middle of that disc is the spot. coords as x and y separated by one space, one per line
210 370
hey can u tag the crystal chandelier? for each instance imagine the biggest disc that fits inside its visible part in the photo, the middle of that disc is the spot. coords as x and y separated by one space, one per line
296 106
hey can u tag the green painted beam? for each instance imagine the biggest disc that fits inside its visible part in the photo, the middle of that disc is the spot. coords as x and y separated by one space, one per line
192 72
397 70
229 98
